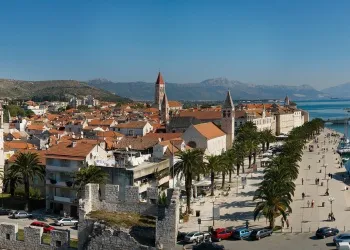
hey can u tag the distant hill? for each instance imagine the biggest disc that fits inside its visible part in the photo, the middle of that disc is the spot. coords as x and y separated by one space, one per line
211 89
57 89
341 91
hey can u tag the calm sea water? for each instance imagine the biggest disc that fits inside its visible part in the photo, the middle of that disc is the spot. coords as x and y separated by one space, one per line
329 109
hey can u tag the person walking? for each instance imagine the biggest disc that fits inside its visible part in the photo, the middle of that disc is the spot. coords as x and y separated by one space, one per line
282 222
312 203
302 181
287 223
309 167
308 203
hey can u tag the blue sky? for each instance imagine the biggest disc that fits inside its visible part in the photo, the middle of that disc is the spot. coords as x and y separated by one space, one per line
263 42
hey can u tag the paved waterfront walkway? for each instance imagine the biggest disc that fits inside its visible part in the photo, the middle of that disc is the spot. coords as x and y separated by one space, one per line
234 210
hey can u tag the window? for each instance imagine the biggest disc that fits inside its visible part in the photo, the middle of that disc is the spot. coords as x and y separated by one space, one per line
7 236
58 243
228 113
224 113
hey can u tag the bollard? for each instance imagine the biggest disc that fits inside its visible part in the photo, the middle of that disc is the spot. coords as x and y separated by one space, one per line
301 229
309 229
291 229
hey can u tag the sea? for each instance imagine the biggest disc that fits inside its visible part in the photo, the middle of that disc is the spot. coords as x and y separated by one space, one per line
328 109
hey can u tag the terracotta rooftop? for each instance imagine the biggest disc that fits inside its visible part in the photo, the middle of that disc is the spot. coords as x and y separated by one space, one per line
15 145
35 127
163 136
209 130
173 104
160 79
137 143
41 154
137 124
65 150
202 115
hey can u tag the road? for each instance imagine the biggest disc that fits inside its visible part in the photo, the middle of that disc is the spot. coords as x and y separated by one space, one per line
26 222
300 241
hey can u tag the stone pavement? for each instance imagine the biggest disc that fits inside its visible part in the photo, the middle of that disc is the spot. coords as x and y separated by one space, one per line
236 209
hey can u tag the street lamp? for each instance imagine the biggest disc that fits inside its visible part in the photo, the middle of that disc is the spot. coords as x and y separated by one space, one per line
327 183
237 177
213 201
331 199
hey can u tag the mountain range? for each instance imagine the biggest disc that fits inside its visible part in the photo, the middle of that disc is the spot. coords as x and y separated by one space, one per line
211 89
53 90
341 90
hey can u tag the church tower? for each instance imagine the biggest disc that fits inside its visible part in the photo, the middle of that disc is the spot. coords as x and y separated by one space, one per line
2 156
286 101
228 120
159 91
165 109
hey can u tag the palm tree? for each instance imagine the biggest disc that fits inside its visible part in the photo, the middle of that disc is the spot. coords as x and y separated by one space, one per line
273 202
12 180
90 174
214 164
27 165
188 167
249 136
267 138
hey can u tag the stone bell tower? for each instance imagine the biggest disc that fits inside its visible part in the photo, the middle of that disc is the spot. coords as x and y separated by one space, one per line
159 91
228 120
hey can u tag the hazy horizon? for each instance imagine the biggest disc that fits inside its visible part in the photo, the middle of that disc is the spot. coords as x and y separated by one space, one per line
258 42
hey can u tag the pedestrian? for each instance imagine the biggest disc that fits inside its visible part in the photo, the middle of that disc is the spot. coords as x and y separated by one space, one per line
303 195
315 181
302 181
287 223
308 203
312 203
329 216
309 167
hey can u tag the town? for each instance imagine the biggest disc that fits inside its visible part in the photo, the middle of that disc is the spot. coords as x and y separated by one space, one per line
157 175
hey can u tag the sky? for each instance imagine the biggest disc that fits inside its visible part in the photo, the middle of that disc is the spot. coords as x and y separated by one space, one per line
262 42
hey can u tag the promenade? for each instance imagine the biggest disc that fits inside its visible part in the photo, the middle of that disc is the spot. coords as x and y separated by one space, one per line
238 206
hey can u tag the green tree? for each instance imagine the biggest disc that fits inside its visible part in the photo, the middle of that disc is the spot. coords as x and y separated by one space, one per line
248 135
214 164
27 165
188 167
29 113
12 180
90 174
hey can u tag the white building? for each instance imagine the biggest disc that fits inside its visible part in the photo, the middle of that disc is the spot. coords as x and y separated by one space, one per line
206 136
63 160
134 128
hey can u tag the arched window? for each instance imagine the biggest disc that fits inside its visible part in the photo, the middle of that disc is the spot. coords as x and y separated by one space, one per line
224 113
192 144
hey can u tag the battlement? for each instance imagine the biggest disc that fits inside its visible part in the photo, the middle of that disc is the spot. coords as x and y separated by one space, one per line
32 238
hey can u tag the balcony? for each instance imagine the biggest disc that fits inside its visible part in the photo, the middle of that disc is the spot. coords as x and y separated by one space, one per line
60 183
63 199
55 168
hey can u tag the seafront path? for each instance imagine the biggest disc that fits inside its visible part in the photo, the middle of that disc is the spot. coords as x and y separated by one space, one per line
238 206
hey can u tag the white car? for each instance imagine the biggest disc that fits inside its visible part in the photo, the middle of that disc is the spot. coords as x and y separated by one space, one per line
195 236
343 246
66 222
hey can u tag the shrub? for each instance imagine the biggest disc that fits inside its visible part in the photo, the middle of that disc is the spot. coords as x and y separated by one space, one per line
34 193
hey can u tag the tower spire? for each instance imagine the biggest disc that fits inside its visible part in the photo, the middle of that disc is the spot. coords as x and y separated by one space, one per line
228 104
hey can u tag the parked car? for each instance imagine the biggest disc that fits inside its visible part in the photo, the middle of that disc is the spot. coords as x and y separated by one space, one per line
345 237
195 236
66 222
208 246
324 232
257 234
19 214
343 246
47 228
5 211
241 233
221 234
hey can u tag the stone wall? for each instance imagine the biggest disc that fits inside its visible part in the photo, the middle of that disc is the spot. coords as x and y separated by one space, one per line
167 224
32 238
109 199
103 237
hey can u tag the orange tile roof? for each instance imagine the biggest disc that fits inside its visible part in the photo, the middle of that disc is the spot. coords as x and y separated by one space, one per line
137 124
40 153
8 145
137 143
16 135
202 115
174 104
65 149
163 136
109 134
97 122
209 130
35 127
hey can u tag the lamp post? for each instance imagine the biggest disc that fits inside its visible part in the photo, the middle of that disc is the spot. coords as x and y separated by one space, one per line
213 201
327 183
331 199
237 177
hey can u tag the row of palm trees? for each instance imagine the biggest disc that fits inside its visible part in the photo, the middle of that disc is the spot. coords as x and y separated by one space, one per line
27 167
193 163
276 191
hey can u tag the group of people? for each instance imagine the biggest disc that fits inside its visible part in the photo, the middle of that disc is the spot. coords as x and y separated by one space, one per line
331 217
286 221
312 203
